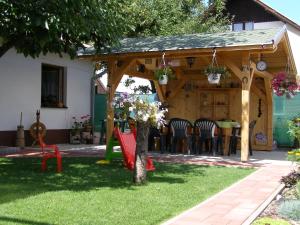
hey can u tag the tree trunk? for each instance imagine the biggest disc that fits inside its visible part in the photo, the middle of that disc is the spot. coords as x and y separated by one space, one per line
140 173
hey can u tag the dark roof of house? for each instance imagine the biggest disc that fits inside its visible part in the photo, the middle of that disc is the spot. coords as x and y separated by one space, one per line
193 41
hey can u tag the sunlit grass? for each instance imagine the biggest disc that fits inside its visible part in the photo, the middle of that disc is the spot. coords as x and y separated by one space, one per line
90 194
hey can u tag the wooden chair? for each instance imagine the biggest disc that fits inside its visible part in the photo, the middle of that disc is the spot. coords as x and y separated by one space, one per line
50 151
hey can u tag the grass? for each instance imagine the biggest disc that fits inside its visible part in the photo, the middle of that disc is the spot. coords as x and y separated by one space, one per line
270 221
89 194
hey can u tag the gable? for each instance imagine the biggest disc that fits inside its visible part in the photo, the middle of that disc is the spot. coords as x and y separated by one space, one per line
248 10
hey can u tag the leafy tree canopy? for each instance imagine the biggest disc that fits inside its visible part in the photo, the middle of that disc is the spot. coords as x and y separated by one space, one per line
165 17
62 26
58 26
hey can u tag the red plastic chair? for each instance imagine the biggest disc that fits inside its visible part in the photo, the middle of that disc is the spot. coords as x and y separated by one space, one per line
50 151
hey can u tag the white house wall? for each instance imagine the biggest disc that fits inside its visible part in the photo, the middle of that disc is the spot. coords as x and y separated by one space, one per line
20 91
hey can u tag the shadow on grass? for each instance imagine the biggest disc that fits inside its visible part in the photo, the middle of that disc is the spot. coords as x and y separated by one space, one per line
21 177
20 221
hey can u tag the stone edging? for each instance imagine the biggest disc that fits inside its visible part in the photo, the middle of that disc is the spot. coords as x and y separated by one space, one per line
264 205
170 221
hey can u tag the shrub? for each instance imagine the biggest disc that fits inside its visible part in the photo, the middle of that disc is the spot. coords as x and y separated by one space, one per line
298 189
291 179
290 209
294 155
267 220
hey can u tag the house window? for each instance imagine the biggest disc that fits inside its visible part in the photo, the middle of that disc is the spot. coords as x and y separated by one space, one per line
243 26
53 86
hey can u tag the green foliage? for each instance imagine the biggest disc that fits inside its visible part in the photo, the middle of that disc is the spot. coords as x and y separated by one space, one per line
216 69
59 26
165 17
290 209
294 129
159 73
294 155
90 194
62 26
267 220
298 189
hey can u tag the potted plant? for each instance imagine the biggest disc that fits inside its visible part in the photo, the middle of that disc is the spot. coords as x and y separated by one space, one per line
214 73
87 123
75 131
163 74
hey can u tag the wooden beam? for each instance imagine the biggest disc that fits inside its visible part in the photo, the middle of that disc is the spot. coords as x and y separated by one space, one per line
177 89
263 74
259 93
159 91
269 92
234 68
178 73
119 71
147 75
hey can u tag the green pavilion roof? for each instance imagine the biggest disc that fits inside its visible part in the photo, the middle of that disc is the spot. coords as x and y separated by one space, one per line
193 41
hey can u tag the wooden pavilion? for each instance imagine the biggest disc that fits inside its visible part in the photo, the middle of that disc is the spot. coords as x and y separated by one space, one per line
245 96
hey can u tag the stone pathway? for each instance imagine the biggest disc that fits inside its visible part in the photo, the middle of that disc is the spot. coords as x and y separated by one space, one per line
240 203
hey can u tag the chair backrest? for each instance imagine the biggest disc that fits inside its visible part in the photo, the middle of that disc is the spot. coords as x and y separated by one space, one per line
236 131
206 127
179 127
251 127
47 149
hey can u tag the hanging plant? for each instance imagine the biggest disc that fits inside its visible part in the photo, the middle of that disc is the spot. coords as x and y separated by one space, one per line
282 85
164 72
214 72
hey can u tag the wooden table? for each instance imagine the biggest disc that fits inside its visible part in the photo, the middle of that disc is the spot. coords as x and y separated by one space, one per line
227 132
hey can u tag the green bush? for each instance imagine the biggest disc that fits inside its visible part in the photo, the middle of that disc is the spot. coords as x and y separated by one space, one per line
267 220
290 209
298 189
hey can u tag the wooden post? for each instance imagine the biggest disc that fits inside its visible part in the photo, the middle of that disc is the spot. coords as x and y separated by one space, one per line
115 74
246 77
270 112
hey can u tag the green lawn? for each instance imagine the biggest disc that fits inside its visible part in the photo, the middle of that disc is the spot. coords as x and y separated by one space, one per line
90 194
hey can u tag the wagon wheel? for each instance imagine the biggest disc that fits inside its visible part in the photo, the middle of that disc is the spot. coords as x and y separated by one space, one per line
37 128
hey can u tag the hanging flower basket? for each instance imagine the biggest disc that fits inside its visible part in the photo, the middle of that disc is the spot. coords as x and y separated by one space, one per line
215 72
282 85
214 78
163 80
164 72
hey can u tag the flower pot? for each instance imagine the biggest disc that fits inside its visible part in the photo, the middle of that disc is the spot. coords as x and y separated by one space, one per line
214 78
163 80
88 128
96 138
75 138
